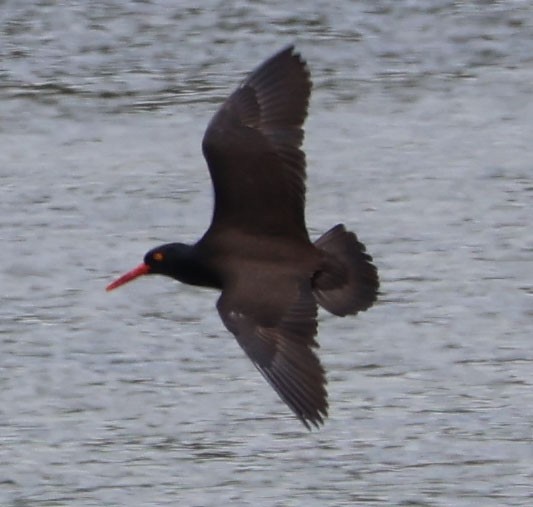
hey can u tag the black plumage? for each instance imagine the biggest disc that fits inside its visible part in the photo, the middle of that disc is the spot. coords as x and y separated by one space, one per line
257 250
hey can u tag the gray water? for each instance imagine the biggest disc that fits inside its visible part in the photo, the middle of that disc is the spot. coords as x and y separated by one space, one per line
419 138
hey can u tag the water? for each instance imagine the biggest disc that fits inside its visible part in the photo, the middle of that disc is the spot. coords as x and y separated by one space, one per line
419 138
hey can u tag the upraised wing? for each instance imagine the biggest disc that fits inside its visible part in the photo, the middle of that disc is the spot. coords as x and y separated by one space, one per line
252 147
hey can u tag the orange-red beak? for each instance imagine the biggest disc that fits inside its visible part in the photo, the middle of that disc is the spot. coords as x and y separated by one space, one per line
140 270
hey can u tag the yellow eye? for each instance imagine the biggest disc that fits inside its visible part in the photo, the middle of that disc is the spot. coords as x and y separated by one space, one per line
158 256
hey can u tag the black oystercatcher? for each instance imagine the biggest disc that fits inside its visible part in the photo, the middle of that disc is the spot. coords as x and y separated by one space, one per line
257 251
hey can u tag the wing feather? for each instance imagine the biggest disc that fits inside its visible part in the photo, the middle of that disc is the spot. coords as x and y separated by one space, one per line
283 352
252 147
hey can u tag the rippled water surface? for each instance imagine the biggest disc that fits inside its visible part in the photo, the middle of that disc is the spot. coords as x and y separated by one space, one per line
419 138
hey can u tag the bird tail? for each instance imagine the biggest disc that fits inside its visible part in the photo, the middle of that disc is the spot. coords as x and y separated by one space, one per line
348 281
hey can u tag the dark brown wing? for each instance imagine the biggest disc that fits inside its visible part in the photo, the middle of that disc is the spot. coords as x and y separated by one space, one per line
252 147
283 350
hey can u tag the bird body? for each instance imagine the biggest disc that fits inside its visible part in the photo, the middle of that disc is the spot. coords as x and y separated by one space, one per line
257 250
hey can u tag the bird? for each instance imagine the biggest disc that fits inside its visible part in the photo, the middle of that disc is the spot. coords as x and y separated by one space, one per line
257 251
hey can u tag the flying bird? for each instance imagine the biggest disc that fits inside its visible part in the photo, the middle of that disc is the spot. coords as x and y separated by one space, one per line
257 251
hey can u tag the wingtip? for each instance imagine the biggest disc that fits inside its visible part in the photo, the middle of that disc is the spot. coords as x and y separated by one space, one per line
291 50
316 421
288 48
